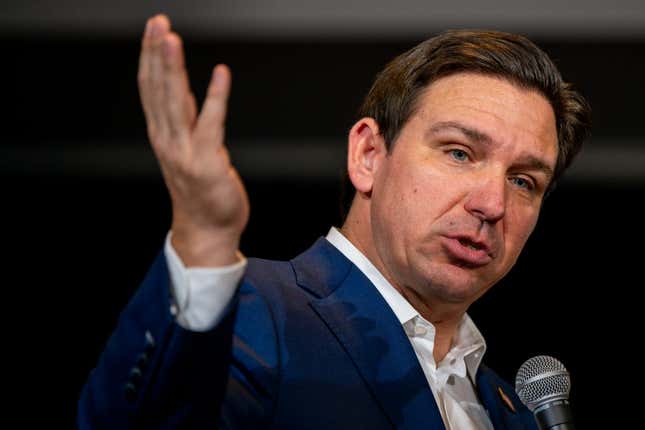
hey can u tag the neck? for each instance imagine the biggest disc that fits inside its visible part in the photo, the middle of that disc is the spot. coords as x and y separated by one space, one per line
445 317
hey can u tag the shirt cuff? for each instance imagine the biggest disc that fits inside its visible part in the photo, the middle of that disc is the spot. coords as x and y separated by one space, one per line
201 293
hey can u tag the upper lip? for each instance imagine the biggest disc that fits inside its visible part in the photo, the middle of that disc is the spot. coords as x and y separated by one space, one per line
480 243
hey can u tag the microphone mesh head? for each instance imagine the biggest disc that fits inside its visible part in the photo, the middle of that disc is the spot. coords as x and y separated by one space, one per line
541 379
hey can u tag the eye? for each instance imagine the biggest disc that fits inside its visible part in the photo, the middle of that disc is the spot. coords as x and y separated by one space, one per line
459 154
522 183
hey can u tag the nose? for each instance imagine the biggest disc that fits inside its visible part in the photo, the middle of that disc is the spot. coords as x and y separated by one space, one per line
487 200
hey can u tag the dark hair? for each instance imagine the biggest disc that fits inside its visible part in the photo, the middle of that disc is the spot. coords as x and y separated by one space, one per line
395 92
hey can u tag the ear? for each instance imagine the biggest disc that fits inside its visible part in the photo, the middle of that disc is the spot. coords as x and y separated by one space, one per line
366 148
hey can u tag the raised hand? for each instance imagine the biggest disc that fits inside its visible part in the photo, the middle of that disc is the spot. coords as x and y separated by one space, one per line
210 206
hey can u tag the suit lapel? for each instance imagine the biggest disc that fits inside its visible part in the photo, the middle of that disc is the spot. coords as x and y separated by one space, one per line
502 405
371 335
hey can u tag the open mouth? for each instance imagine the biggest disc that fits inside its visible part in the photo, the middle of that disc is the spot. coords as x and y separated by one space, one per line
471 245
468 253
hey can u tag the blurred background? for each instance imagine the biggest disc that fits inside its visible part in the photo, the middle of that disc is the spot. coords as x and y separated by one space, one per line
85 210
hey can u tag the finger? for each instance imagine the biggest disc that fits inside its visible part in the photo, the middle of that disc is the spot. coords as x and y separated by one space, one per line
160 26
211 121
179 103
143 75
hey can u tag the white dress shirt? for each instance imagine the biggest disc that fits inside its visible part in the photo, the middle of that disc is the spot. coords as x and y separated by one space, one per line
202 294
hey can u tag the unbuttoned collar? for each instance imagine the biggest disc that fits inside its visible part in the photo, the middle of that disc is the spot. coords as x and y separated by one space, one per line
469 345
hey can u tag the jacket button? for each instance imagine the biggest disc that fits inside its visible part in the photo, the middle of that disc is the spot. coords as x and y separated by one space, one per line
130 392
142 360
135 375
150 341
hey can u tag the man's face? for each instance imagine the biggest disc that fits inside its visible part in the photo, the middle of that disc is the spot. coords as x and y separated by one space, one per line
455 200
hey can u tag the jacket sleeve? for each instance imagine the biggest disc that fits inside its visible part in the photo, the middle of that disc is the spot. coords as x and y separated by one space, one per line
152 372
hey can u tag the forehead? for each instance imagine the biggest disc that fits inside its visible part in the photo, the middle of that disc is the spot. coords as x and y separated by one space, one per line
510 115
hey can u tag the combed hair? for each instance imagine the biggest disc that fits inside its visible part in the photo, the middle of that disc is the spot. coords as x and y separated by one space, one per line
394 96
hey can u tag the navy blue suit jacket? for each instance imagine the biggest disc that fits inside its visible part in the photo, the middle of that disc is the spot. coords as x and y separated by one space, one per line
306 344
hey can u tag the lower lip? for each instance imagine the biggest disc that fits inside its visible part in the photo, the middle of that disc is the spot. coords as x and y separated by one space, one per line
466 255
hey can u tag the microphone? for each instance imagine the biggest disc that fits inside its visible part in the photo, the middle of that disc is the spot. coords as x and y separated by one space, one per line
543 385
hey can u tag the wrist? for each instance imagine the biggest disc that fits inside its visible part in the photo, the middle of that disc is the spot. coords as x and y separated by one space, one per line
205 248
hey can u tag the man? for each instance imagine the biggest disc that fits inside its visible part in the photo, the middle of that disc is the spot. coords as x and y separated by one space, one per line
458 142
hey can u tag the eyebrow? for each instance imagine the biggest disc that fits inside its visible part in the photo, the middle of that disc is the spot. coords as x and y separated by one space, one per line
527 161
533 163
470 133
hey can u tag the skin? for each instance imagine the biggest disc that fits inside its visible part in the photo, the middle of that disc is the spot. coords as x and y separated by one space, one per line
210 207
470 166
472 163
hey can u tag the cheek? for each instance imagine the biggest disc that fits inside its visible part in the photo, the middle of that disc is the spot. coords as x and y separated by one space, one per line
399 208
409 202
520 226
413 197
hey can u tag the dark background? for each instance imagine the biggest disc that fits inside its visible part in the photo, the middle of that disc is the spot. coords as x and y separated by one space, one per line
85 210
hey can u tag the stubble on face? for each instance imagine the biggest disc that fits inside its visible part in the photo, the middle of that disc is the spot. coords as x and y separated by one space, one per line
425 204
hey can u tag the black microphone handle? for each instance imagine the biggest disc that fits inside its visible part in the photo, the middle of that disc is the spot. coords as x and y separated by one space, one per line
554 415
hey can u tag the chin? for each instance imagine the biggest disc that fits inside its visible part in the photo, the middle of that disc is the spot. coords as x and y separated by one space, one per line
452 294
452 285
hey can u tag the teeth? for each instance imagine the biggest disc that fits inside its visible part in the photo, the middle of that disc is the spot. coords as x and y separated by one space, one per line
469 244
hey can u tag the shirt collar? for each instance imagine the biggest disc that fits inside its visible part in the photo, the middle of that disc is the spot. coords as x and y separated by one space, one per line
469 345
